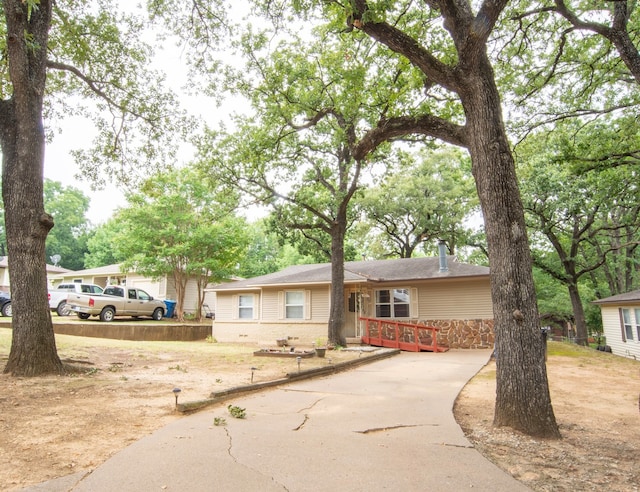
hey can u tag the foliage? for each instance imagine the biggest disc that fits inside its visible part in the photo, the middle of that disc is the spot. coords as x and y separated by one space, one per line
553 299
100 68
550 43
267 253
237 412
418 204
588 219
69 235
320 342
296 154
56 57
100 244
180 225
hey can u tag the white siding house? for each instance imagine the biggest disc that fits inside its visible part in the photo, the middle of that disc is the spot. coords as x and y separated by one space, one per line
621 323
163 288
5 282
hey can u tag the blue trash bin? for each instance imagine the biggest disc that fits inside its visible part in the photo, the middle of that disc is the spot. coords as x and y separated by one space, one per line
171 305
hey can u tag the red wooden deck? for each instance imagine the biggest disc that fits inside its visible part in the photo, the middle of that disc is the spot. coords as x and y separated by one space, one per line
404 336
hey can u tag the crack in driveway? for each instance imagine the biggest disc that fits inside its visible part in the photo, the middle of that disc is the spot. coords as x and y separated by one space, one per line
238 462
306 417
393 427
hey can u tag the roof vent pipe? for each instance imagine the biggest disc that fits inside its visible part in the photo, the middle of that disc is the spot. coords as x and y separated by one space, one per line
442 252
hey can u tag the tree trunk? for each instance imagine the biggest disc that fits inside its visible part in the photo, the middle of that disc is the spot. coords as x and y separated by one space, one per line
336 313
201 283
33 347
180 280
582 338
523 401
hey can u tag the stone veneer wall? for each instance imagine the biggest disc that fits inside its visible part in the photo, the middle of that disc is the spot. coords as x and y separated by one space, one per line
462 333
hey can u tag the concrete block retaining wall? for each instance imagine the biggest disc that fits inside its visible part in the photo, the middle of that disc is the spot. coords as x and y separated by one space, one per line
136 331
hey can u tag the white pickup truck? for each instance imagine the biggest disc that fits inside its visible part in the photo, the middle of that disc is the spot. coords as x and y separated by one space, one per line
58 296
116 300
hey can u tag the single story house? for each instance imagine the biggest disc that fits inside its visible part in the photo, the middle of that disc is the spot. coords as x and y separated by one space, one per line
5 283
294 303
621 323
163 288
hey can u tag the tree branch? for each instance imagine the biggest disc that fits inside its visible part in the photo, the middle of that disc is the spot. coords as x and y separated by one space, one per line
405 45
94 88
392 128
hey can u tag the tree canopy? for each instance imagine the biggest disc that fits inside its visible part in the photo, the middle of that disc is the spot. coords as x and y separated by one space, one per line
181 226
68 238
419 204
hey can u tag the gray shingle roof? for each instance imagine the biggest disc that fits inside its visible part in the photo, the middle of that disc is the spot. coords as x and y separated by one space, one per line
405 269
627 297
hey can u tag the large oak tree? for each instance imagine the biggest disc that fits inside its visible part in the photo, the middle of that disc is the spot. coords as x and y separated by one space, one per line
296 154
33 349
454 62
56 53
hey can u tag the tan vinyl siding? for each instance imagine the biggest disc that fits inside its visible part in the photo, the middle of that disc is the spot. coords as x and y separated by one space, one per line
270 305
191 297
320 304
469 299
224 306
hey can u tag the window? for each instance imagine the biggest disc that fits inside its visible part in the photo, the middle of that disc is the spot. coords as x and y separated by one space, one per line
245 306
627 324
392 303
143 296
114 291
637 313
294 304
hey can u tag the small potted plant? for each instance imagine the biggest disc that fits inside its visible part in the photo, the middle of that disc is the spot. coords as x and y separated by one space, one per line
320 344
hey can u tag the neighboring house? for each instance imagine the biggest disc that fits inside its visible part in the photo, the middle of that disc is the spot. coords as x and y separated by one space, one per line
163 288
294 303
5 284
621 323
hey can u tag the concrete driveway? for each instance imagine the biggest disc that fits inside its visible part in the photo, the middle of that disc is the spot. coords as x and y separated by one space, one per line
382 426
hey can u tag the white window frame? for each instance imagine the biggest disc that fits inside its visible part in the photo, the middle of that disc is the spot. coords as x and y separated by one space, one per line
248 309
627 324
288 304
392 302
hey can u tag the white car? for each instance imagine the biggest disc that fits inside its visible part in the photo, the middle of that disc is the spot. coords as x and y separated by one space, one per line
58 296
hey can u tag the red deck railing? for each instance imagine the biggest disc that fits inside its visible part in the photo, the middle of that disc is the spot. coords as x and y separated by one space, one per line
404 336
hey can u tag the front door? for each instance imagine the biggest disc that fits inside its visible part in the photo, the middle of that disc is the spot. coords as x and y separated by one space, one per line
356 305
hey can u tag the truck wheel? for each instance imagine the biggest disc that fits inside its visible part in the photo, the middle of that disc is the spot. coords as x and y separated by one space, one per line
7 310
83 315
158 314
107 314
63 309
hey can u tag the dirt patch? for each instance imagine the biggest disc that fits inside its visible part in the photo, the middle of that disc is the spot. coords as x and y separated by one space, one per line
595 398
55 426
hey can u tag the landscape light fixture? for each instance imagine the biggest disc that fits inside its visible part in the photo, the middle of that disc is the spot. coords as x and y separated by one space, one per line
176 392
